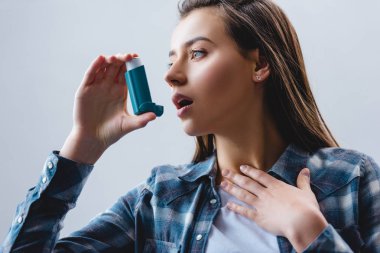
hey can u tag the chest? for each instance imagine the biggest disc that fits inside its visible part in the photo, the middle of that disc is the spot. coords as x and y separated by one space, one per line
183 223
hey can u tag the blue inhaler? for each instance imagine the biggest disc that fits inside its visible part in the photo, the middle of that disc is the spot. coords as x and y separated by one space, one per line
139 90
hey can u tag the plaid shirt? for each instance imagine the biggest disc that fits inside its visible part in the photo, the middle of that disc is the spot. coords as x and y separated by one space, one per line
173 210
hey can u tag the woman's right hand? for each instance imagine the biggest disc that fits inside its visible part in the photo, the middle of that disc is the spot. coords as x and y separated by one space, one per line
100 108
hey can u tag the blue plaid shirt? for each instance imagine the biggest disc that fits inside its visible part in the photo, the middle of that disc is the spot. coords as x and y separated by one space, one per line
173 210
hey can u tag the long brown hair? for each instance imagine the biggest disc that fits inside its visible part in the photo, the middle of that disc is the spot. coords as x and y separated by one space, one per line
262 24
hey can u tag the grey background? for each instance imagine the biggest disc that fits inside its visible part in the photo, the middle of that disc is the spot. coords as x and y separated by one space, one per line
45 47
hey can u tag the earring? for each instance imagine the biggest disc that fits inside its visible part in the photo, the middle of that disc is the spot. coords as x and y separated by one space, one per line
258 78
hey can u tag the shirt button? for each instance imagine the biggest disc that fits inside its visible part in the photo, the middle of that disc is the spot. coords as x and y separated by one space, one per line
199 237
213 201
20 219
44 179
50 165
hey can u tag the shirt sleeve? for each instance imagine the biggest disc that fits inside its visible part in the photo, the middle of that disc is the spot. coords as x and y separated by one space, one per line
39 217
369 216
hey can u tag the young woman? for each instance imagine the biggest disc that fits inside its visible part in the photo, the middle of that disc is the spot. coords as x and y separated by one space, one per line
267 175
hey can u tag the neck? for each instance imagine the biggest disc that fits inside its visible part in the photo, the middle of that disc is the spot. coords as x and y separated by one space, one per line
258 145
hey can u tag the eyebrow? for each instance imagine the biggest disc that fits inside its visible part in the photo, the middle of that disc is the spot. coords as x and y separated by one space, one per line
192 41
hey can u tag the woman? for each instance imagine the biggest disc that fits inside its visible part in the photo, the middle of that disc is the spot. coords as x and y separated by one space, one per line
267 174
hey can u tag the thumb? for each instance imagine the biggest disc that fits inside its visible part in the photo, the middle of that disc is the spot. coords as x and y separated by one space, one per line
303 179
137 121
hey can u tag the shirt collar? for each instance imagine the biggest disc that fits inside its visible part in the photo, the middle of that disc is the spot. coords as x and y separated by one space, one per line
200 169
325 178
287 167
290 163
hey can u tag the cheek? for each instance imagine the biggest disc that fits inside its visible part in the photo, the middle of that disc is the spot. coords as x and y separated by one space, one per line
219 87
220 82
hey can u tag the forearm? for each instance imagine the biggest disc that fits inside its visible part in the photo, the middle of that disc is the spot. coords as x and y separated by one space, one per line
38 219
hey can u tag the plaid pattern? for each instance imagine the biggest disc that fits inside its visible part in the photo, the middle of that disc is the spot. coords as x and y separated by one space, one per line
171 211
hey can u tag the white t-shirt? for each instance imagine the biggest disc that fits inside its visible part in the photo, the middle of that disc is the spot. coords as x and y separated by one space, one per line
234 233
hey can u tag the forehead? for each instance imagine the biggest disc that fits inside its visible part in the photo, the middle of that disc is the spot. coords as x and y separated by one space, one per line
205 22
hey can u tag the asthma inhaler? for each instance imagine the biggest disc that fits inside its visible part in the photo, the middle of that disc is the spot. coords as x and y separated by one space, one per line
139 90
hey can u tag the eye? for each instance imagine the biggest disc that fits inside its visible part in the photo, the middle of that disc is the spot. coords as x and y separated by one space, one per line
169 65
197 53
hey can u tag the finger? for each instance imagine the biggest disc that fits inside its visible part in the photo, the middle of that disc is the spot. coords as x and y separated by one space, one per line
258 175
245 211
121 74
130 57
303 179
120 77
244 182
137 121
240 193
101 71
113 67
124 57
90 73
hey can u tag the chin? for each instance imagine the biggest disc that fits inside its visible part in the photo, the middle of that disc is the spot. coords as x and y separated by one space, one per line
192 130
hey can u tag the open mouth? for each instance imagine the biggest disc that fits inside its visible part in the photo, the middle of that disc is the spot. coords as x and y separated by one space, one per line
184 102
181 101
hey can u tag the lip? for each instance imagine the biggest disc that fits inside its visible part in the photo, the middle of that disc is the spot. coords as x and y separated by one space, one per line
181 112
177 97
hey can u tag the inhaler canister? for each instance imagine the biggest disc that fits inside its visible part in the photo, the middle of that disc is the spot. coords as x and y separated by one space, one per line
139 90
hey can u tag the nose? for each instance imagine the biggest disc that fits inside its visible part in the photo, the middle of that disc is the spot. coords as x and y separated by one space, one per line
175 76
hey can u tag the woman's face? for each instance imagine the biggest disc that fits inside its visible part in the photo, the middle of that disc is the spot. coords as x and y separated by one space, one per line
208 69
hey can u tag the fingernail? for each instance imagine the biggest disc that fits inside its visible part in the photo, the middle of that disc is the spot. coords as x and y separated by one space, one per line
244 168
306 172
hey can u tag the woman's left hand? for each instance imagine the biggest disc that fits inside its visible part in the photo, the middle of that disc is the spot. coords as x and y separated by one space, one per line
277 207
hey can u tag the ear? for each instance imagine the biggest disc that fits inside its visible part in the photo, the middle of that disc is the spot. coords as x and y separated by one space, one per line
260 67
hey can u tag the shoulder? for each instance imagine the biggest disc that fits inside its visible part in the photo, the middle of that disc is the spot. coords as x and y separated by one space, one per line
336 157
341 159
333 167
